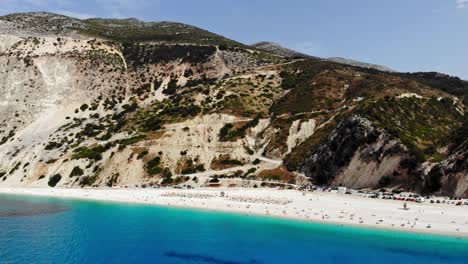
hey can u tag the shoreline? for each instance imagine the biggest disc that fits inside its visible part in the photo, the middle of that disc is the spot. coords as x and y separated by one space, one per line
309 207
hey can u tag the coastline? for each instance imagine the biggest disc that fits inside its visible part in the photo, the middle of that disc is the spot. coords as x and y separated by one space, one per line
315 207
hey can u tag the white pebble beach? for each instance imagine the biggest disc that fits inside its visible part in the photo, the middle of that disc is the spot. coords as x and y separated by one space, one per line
444 219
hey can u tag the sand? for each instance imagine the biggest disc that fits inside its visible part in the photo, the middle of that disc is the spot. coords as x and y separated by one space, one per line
444 219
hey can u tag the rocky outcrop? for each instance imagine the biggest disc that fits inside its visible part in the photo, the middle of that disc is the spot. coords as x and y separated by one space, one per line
356 155
299 132
449 177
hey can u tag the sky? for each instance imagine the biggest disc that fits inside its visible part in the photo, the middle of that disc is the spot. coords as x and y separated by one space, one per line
405 35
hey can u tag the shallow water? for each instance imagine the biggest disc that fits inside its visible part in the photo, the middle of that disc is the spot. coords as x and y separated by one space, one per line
49 230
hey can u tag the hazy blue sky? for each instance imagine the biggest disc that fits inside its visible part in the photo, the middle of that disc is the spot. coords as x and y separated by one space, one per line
407 35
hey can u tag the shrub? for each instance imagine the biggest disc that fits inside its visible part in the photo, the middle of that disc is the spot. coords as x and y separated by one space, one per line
54 180
90 153
91 130
142 154
224 162
84 107
231 162
171 87
227 133
191 168
53 145
167 181
152 123
250 171
179 180
182 111
200 167
223 133
238 173
153 166
88 180
77 171
17 165
167 173
132 140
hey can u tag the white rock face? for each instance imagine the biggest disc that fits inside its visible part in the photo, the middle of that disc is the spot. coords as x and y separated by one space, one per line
200 140
47 78
41 86
462 184
199 137
373 169
7 41
299 132
252 139
410 95
353 174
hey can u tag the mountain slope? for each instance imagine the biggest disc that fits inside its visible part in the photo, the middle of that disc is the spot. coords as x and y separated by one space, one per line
119 30
288 53
279 50
103 102
360 64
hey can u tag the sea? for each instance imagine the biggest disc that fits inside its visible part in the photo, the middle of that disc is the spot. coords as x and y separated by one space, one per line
52 230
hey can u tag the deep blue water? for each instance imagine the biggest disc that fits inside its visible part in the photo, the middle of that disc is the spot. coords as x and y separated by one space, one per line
47 230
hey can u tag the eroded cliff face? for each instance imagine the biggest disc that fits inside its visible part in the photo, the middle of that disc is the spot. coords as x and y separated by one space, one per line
449 177
64 96
44 81
355 148
357 155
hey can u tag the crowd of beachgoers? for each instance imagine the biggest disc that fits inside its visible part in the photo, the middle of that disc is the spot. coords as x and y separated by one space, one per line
374 194
243 199
330 205
396 195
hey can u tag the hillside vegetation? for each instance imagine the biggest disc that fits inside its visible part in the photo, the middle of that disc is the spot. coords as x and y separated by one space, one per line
108 102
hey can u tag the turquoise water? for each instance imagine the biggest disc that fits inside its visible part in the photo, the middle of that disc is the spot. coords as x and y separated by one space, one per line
47 230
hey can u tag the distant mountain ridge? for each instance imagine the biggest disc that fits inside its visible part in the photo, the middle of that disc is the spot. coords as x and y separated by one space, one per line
360 64
289 53
279 50
119 30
